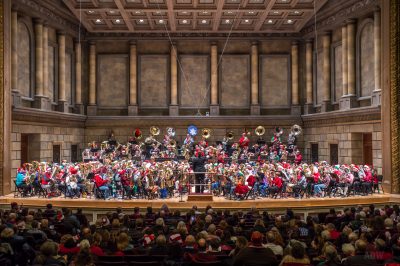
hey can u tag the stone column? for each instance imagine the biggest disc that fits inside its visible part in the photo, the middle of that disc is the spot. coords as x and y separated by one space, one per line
255 106
46 66
343 101
14 59
92 108
376 94
40 101
62 102
296 108
308 108
214 107
78 78
133 108
326 72
351 98
173 107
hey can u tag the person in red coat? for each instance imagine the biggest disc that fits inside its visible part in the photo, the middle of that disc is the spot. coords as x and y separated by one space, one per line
244 141
299 158
276 185
102 184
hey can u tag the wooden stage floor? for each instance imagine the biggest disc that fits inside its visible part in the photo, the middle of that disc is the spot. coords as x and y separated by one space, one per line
216 203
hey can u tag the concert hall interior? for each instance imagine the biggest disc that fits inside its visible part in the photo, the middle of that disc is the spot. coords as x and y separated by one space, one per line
156 88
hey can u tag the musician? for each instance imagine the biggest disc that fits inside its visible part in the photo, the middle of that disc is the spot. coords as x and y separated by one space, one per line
366 181
45 180
322 183
275 185
72 183
241 189
244 140
198 166
102 184
21 181
298 157
126 182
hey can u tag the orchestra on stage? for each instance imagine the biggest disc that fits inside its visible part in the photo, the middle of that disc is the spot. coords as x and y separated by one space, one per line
155 169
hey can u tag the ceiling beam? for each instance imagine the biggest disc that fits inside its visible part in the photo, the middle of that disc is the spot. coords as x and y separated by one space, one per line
218 14
192 9
124 15
75 11
107 21
149 20
306 18
264 15
171 15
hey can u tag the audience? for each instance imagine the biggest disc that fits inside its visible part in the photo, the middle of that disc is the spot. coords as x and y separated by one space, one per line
366 236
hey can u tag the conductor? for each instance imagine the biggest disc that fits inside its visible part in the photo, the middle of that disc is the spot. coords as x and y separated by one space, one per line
198 166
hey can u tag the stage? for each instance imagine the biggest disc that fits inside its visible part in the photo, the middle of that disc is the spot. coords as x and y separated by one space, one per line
273 205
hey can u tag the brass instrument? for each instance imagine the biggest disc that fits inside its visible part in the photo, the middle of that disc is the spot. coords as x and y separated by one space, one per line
260 130
171 132
296 130
154 131
206 133
172 143
230 135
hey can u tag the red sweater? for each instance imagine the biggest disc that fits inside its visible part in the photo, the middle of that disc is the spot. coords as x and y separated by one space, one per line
95 250
99 181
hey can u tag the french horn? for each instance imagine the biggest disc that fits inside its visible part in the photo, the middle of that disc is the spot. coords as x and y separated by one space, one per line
206 133
260 130
154 131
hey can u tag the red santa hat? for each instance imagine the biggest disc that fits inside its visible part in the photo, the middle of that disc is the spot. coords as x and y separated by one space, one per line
175 238
73 171
148 239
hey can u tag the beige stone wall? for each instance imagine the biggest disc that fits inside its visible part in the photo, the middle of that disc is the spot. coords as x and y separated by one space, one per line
42 142
349 138
24 57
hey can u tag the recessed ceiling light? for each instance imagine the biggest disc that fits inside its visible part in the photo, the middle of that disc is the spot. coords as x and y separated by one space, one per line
184 21
137 12
204 21
246 20
290 21
251 12
229 12
276 12
112 12
90 11
184 12
141 20
158 12
227 21
296 12
118 21
205 12
161 21
270 21
98 20
284 1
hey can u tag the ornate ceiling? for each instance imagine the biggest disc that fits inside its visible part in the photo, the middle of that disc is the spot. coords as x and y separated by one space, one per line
219 16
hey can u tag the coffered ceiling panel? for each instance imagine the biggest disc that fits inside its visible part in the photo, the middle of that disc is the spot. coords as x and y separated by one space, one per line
194 15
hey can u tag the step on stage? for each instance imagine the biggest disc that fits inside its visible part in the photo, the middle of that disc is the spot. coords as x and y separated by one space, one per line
307 205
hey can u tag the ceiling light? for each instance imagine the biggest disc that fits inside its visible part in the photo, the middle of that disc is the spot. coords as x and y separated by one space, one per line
112 12
246 20
98 20
205 12
290 21
229 12
184 21
118 21
227 21
161 21
184 12
137 12
276 12
296 12
204 21
270 21
251 12
90 11
158 12
141 20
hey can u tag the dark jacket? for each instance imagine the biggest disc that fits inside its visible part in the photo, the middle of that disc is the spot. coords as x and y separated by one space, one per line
255 256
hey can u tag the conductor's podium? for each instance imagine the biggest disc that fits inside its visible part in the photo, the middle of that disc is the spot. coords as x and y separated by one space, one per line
200 197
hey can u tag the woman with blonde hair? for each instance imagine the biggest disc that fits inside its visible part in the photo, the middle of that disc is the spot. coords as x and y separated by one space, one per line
122 244
182 229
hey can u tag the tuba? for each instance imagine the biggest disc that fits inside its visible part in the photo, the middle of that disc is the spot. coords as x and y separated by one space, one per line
230 135
171 132
260 130
206 133
172 143
296 130
154 131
